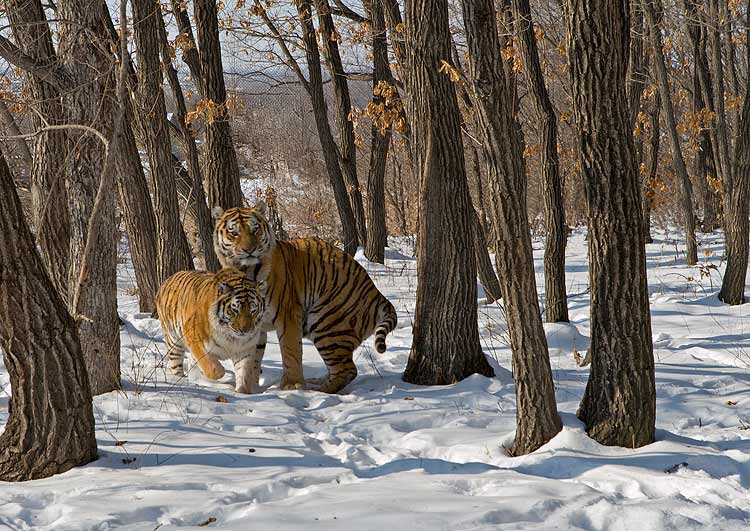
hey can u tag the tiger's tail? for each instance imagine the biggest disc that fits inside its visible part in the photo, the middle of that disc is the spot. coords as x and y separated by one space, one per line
387 321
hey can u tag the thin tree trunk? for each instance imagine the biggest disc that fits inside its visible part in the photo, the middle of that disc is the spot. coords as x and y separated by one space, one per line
222 172
11 127
709 197
173 253
48 193
50 427
537 420
327 143
347 150
556 309
619 404
737 224
446 346
196 197
377 234
717 67
649 192
92 67
686 188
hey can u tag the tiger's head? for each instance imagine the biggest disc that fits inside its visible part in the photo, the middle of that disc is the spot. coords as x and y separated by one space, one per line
242 235
240 303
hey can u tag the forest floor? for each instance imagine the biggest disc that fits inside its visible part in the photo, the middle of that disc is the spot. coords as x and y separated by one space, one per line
385 454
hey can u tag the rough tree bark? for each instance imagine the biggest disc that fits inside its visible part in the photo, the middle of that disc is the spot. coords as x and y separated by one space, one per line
377 234
347 150
173 253
50 426
686 189
446 345
84 50
619 404
222 172
556 309
653 168
736 210
537 420
48 193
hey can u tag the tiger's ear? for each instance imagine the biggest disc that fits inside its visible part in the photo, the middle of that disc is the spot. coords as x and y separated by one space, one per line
217 212
222 288
260 207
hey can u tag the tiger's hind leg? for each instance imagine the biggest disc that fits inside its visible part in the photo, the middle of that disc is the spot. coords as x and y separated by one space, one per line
338 358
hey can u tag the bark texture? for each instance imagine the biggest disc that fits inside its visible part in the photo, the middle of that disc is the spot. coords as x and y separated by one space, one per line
619 404
556 308
377 235
537 420
347 149
685 187
446 345
84 50
330 152
222 172
50 426
48 193
173 253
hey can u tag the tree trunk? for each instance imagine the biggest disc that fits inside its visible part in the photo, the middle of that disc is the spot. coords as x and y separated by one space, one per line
222 172
619 404
48 193
173 253
195 197
446 346
377 235
717 67
50 427
556 309
347 150
686 189
327 143
653 172
537 420
11 127
737 225
92 67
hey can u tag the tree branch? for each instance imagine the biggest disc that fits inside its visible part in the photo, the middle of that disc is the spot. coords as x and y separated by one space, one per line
54 73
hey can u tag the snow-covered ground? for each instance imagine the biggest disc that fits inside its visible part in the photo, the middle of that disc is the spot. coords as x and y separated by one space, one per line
390 455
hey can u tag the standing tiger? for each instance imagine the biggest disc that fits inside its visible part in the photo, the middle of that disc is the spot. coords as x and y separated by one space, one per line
314 290
217 316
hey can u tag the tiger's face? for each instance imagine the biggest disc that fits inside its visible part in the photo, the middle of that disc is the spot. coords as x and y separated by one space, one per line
240 303
242 236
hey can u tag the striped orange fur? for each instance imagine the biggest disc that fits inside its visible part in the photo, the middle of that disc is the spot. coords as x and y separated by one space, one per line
314 290
216 316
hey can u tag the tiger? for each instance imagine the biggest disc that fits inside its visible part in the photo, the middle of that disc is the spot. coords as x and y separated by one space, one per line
217 316
315 291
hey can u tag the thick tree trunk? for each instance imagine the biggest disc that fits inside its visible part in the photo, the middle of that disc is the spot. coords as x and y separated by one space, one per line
556 309
8 122
48 193
537 420
91 104
222 172
173 253
686 188
446 345
347 149
377 235
619 404
327 143
50 428
195 197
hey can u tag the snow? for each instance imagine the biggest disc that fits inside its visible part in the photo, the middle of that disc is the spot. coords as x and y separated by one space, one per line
387 454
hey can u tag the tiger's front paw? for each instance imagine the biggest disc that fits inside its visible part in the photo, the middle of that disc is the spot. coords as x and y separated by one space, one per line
288 384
